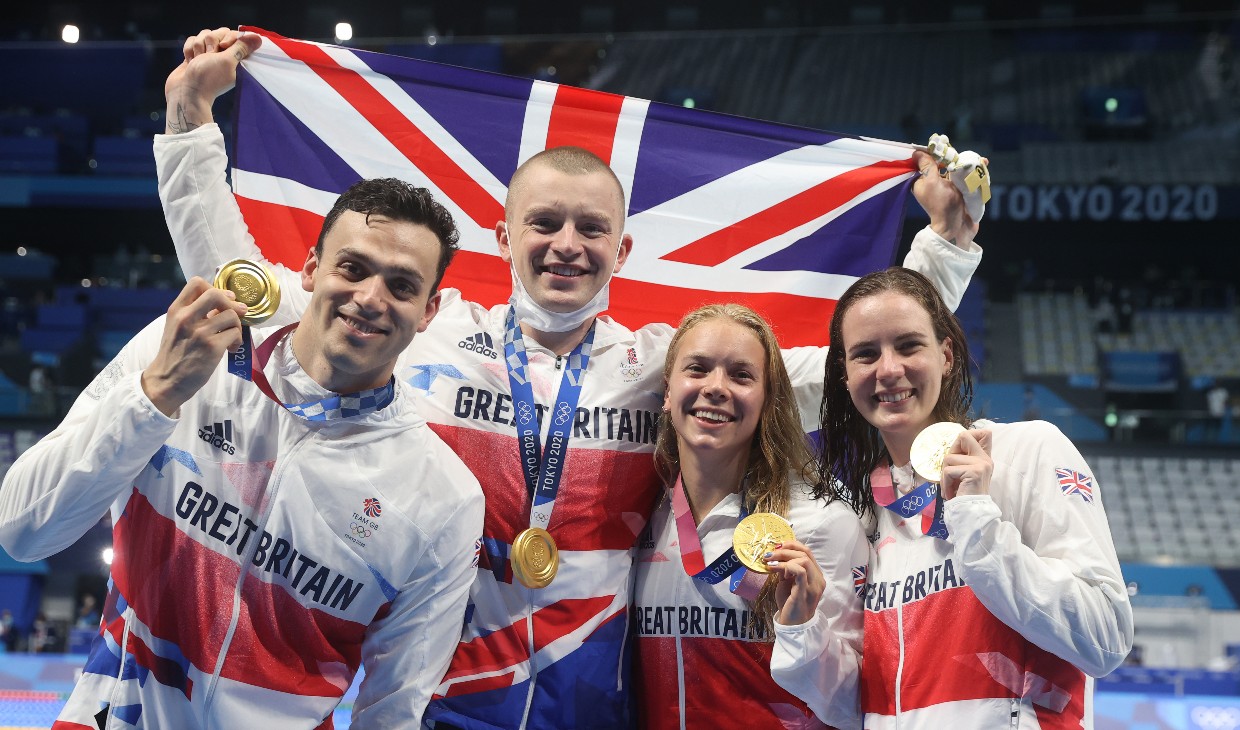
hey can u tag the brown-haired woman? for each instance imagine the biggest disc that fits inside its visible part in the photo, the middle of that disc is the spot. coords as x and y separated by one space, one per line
994 595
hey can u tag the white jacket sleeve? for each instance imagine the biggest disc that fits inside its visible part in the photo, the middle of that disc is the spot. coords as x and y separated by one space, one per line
945 264
807 366
406 653
60 487
1042 560
820 661
203 217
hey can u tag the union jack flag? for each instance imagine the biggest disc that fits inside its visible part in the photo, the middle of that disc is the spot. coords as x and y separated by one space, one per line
721 208
1074 482
859 573
372 507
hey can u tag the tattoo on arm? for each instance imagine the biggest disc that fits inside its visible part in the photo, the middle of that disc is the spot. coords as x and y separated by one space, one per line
179 122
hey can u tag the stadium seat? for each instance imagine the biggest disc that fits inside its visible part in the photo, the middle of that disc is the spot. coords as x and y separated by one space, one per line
118 155
27 154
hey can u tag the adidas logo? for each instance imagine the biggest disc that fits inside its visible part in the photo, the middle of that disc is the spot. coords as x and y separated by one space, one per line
219 435
480 343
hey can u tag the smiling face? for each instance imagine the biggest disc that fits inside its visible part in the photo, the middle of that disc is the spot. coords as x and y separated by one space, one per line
371 292
895 366
563 234
716 387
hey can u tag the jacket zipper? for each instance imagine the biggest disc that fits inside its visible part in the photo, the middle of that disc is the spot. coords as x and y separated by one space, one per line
120 672
269 495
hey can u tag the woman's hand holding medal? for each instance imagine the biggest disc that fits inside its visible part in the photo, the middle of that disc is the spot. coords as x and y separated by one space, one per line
801 582
967 468
957 459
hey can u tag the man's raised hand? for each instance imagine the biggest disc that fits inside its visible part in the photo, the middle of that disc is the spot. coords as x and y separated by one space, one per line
208 70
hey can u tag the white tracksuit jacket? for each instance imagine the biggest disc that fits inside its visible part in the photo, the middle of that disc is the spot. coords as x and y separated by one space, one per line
259 558
1005 623
700 664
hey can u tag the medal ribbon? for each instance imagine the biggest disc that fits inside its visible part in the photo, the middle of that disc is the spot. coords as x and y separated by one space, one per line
744 583
923 499
248 363
543 471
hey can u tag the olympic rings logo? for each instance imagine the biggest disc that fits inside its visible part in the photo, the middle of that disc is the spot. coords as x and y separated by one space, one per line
359 530
913 501
1216 718
525 413
562 414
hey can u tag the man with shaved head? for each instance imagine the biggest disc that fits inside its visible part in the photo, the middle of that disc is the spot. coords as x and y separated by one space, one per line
551 405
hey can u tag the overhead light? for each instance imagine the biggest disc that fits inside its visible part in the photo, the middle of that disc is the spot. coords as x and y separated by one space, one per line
344 31
70 34
107 556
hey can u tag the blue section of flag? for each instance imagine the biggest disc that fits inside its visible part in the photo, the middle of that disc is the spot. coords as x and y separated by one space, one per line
677 140
845 245
483 111
289 149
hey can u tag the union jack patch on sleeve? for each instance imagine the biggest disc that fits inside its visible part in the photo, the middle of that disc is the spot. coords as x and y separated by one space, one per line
1074 482
859 572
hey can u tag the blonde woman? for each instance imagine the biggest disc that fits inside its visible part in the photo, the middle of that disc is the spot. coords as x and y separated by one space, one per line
731 444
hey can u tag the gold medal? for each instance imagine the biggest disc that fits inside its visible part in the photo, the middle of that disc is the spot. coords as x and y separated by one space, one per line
535 558
929 448
757 535
255 286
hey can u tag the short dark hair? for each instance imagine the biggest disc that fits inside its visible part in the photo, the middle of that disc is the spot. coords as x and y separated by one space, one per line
399 201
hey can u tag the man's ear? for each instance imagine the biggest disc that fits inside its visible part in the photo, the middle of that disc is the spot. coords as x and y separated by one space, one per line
308 269
622 254
501 238
432 308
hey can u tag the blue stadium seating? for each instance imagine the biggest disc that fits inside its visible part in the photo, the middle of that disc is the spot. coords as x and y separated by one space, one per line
120 155
29 155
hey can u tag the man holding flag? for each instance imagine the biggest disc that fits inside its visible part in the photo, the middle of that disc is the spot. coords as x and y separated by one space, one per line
551 405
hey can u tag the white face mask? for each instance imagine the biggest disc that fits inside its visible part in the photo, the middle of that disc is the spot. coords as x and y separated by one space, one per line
531 313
